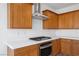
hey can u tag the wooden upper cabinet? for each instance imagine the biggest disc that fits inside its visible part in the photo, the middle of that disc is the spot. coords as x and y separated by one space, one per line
20 15
52 21
66 21
76 20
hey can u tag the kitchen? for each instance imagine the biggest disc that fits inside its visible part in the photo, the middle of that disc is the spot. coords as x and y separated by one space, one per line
15 33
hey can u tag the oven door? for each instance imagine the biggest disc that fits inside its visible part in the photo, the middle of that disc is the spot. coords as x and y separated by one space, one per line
46 51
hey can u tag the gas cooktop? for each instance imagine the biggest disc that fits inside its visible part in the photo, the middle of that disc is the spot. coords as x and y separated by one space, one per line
40 38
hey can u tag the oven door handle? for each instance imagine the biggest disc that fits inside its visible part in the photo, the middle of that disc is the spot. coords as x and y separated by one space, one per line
45 46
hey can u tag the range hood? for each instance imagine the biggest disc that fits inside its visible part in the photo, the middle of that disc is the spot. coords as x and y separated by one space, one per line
37 12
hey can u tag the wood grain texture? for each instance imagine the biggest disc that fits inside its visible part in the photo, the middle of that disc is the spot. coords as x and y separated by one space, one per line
66 46
20 15
56 47
32 50
66 21
76 20
52 21
75 47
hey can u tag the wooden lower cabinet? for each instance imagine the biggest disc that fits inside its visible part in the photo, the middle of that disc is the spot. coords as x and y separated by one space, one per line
32 50
66 46
70 47
62 46
55 47
75 48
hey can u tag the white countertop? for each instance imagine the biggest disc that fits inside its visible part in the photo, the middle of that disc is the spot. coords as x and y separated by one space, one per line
73 38
25 42
28 42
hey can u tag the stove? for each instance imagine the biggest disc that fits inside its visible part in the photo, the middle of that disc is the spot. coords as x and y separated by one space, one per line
40 38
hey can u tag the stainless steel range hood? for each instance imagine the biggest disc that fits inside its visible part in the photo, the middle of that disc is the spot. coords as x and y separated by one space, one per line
37 12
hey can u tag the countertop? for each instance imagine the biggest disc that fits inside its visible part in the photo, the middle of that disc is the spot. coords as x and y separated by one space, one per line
68 37
27 42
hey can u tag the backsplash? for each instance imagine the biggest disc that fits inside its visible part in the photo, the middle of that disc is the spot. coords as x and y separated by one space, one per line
68 33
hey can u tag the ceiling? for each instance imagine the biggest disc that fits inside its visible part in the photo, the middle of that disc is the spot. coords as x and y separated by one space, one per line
61 7
57 6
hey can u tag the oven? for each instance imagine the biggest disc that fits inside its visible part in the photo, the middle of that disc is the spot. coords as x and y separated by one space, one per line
45 49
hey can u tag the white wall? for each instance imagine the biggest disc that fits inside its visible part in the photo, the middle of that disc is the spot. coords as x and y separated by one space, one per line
6 34
68 33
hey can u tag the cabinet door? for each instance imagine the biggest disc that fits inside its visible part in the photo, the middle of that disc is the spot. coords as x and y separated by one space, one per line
76 20
20 15
75 48
55 47
33 50
66 46
27 51
52 21
66 21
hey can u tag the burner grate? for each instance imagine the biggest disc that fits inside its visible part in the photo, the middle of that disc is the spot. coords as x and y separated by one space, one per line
40 38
